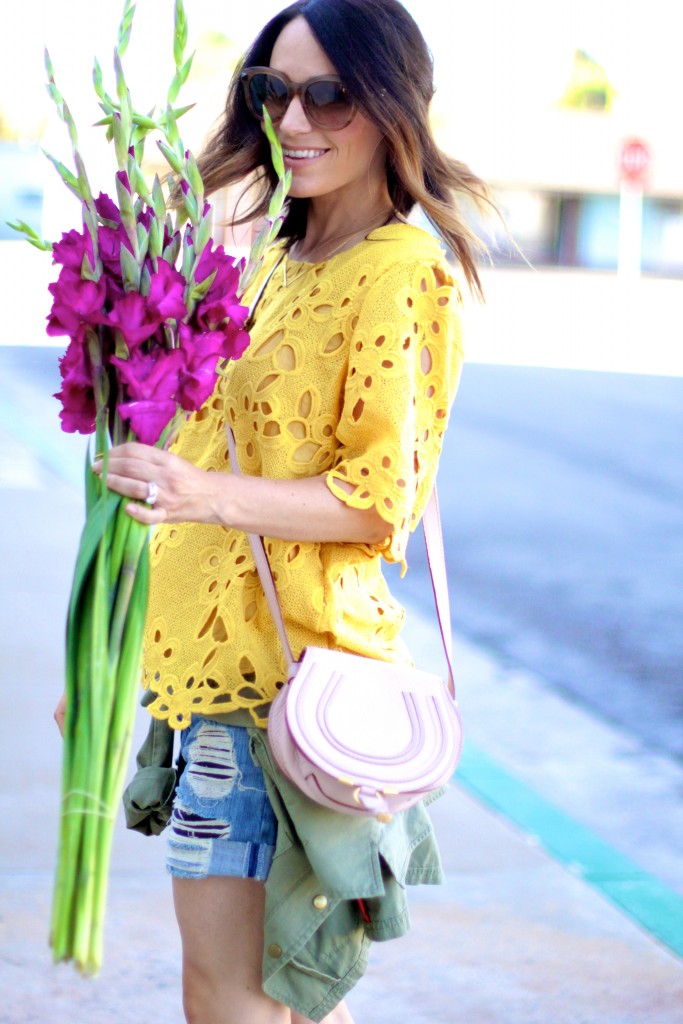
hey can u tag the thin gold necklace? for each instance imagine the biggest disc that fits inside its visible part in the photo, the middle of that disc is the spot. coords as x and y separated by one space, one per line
349 234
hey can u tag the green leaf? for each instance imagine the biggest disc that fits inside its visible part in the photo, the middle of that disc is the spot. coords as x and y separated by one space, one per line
188 258
48 65
145 280
156 238
143 244
203 232
186 68
171 130
140 185
130 271
88 272
92 483
174 89
171 156
143 121
193 177
180 35
275 147
178 112
121 88
98 80
127 211
158 201
30 234
125 27
102 512
190 203
275 228
200 290
171 251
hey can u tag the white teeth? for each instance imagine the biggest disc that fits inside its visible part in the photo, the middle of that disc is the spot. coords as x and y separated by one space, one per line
302 154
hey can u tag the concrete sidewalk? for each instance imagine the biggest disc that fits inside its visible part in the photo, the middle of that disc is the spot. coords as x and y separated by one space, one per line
514 935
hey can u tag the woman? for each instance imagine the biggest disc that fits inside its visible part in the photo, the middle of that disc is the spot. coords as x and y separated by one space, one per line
338 408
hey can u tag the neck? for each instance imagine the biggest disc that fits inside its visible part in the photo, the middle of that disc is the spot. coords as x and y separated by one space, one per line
330 222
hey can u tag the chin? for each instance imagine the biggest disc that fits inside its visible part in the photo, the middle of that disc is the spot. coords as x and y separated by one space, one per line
302 190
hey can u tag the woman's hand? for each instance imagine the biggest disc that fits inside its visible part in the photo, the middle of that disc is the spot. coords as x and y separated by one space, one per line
60 714
183 492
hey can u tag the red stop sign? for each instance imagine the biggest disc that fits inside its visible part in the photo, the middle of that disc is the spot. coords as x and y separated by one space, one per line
634 160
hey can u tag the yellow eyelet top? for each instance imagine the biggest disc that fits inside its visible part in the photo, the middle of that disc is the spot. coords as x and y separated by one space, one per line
350 374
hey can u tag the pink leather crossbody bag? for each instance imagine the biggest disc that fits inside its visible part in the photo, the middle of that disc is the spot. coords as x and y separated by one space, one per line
356 734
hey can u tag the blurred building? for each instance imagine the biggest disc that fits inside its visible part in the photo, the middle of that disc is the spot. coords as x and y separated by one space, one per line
560 177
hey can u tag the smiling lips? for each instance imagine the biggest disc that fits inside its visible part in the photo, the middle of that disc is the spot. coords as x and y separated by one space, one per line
303 154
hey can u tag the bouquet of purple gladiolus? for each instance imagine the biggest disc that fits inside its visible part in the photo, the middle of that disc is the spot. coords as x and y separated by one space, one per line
151 310
160 344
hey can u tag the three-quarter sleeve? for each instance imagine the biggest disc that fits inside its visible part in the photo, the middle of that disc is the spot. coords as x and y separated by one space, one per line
405 358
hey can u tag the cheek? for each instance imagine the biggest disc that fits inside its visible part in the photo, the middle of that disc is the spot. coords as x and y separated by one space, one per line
361 144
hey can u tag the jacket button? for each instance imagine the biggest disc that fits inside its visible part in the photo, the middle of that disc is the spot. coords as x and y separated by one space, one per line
274 951
320 902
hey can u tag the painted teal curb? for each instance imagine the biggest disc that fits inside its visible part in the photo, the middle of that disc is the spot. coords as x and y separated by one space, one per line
655 907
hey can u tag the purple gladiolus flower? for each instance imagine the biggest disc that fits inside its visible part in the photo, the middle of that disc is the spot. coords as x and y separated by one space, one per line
151 375
212 315
72 248
166 292
77 394
148 419
76 301
107 208
201 352
134 318
145 218
125 181
109 241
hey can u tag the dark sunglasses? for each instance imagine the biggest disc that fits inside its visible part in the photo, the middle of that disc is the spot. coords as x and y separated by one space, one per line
324 98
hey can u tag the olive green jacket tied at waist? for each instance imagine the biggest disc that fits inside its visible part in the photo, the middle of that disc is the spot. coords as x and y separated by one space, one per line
317 933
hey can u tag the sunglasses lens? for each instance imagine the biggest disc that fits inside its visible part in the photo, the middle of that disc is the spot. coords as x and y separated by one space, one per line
270 92
328 105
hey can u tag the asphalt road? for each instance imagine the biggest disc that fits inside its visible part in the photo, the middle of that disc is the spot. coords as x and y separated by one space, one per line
561 495
562 507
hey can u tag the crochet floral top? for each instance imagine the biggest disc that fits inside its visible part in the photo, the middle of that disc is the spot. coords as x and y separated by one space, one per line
351 371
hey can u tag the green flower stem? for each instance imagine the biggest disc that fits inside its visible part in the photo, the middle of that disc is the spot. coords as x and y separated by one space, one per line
122 721
75 767
98 683
118 547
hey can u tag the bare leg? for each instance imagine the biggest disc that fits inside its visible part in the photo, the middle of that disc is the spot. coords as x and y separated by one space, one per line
340 1015
221 927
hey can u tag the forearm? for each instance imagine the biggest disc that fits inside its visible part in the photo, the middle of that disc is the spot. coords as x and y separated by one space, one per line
303 509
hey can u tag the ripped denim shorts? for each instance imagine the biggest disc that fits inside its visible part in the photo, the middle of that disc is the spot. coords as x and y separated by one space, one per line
222 821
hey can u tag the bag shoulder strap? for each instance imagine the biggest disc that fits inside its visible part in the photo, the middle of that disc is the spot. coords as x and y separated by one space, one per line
431 525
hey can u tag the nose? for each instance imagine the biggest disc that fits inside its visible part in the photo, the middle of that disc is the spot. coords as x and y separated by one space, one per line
294 118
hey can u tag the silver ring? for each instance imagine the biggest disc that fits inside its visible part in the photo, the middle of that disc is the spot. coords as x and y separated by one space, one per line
152 493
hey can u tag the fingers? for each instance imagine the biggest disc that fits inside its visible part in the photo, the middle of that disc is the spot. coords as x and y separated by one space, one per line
137 461
147 514
131 487
60 714
132 469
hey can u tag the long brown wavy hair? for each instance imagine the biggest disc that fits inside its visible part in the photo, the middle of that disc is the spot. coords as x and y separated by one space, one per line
387 69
